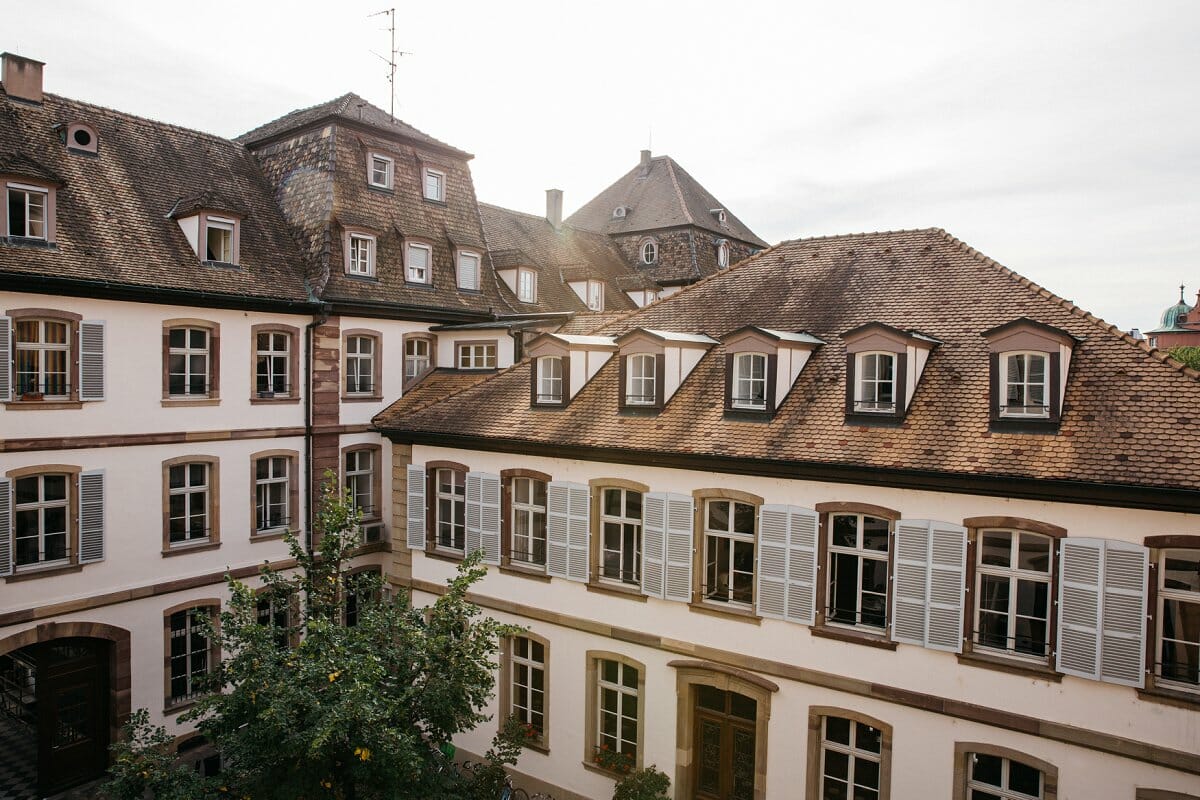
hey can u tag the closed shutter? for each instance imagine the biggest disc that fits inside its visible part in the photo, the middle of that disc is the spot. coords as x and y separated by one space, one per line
489 517
928 591
5 359
677 583
567 537
6 564
1081 568
654 542
91 360
416 506
787 556
91 516
1123 615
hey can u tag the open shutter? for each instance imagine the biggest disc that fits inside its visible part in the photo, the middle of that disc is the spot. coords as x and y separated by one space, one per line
677 583
910 584
771 595
1123 614
1081 565
416 506
787 556
489 517
654 543
579 534
805 526
927 594
5 359
91 516
6 564
558 502
91 360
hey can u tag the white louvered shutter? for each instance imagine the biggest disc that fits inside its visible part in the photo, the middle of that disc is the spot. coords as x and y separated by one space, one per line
558 502
91 360
1081 569
805 526
91 516
579 543
654 543
1123 614
910 584
6 372
677 582
773 534
929 586
416 506
474 512
6 562
489 517
787 556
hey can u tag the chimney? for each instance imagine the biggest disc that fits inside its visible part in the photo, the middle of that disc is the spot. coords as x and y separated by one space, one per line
22 77
645 158
554 208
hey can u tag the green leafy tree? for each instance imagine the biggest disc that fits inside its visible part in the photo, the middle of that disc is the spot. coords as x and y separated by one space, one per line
643 784
346 712
1188 355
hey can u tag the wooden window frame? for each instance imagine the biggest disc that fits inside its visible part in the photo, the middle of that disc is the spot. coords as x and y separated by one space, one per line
50 212
389 181
72 322
648 241
351 234
700 498
1157 688
659 362
213 396
431 341
537 399
816 740
599 285
213 606
831 630
506 509
964 750
293 494
61 566
768 379
459 347
596 487
1049 384
469 253
431 509
376 392
533 285
213 539
592 707
221 221
292 393
376 514
441 173
420 244
542 742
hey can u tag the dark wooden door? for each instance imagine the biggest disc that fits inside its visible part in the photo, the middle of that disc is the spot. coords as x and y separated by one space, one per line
72 699
723 745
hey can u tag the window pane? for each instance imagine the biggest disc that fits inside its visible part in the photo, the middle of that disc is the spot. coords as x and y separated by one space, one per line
1024 778
866 738
630 677
743 518
866 773
54 487
837 730
845 531
1181 570
875 534
1033 553
837 765
608 671
718 515
986 769
26 490
997 549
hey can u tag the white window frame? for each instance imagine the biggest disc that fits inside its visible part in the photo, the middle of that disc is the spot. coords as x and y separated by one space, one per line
619 690
272 491
469 255
457 498
526 285
867 389
389 171
187 490
629 531
413 358
722 254
39 507
549 385
853 754
1176 594
595 295
440 194
999 791
362 255
363 362
187 352
414 273
227 227
859 552
1041 411
648 251
191 674
27 193
535 519
747 399
477 355
360 481
272 363
639 378
736 541
1015 576
522 667
40 351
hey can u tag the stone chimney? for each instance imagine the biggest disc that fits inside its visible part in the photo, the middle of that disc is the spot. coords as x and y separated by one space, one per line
645 158
22 77
554 208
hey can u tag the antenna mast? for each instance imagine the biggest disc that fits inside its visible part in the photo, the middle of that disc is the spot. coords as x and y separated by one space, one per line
393 53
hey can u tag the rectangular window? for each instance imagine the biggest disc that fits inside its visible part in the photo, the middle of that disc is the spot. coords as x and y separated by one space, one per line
468 270
595 296
187 362
640 387
858 570
41 519
617 710
996 778
360 365
750 381
362 255
621 536
416 358
435 185
550 380
527 286
1178 660
851 755
274 611
480 355
218 240
875 390
42 350
189 654
360 480
418 263
271 489
1024 393
27 212
527 687
450 523
729 552
528 521
272 357
188 503
381 171
1014 570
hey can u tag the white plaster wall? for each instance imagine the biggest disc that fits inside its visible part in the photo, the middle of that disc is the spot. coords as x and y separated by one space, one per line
446 357
392 372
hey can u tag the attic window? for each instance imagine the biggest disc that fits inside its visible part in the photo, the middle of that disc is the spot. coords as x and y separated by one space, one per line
719 213
218 240
1028 366
380 171
649 251
722 254
81 138
526 285
619 212
875 387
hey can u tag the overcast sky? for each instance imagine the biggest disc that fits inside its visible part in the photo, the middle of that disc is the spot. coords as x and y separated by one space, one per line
1061 139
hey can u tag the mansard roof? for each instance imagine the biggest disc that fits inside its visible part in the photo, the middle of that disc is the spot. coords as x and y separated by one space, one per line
113 229
660 194
1126 407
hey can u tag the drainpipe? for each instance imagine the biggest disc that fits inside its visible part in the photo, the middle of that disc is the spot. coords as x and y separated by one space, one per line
319 318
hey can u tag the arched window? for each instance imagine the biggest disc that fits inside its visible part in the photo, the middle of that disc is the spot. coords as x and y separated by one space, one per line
722 254
649 251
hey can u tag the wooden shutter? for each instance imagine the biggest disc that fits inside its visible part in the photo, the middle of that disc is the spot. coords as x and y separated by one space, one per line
579 533
6 533
91 516
567 536
91 360
416 506
1123 614
1081 568
928 590
6 371
474 532
487 494
787 563
654 542
677 580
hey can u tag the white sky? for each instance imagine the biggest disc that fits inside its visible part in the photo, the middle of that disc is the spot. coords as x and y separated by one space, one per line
1061 139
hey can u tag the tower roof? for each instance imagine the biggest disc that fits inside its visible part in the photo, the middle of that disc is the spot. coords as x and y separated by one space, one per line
1169 323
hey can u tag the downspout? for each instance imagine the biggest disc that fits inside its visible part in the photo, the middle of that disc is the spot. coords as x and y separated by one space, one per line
319 318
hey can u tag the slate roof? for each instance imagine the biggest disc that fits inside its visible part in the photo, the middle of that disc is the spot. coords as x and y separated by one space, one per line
569 254
661 195
1126 407
349 107
112 207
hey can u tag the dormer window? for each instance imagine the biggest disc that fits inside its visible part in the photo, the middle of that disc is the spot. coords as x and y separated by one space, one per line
468 269
722 254
218 240
750 381
81 138
883 371
619 212
761 367
562 364
381 171
361 257
595 295
549 380
875 385
27 211
1028 365
641 379
1024 391
435 185
719 213
526 285
649 251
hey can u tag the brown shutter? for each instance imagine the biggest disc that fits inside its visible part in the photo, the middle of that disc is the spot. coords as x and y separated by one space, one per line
901 384
533 382
660 373
1055 382
849 383
772 368
566 377
622 360
994 398
729 357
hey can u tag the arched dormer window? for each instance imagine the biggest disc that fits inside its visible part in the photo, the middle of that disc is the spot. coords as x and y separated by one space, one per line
648 251
722 254
82 138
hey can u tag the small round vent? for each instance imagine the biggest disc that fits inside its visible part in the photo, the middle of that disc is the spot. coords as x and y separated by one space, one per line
81 138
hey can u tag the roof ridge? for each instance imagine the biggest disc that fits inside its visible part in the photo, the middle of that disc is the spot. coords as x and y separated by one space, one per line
1071 307
687 214
145 120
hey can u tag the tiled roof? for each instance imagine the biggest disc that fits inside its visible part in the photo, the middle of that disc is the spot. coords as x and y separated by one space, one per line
662 195
587 324
568 254
348 107
437 385
112 208
1126 407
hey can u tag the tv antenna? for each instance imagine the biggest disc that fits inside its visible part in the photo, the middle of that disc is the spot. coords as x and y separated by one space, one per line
394 54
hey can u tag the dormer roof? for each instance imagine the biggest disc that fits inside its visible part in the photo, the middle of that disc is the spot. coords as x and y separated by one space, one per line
23 166
1041 328
789 337
673 337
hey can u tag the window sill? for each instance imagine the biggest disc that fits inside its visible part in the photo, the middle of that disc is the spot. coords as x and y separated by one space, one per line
184 549
256 401
42 572
734 613
748 415
1023 425
175 708
1170 697
538 747
372 547
358 276
877 420
175 402
375 187
1012 665
530 572
608 773
362 398
434 201
269 536
621 591
852 636
445 555
29 241
42 405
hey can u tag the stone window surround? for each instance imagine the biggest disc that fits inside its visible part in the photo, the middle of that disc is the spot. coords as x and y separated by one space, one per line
816 715
504 690
592 711
962 756
213 606
293 334
214 363
596 487
214 505
376 514
376 393
72 472
700 498
642 245
293 481
72 322
428 246
22 182
506 503
1157 690
432 339
431 503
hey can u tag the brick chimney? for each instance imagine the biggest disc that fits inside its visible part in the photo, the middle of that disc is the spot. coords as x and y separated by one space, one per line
22 77
645 158
554 208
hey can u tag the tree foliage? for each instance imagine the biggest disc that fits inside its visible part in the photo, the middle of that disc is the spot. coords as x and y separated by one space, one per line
643 784
1188 355
346 712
